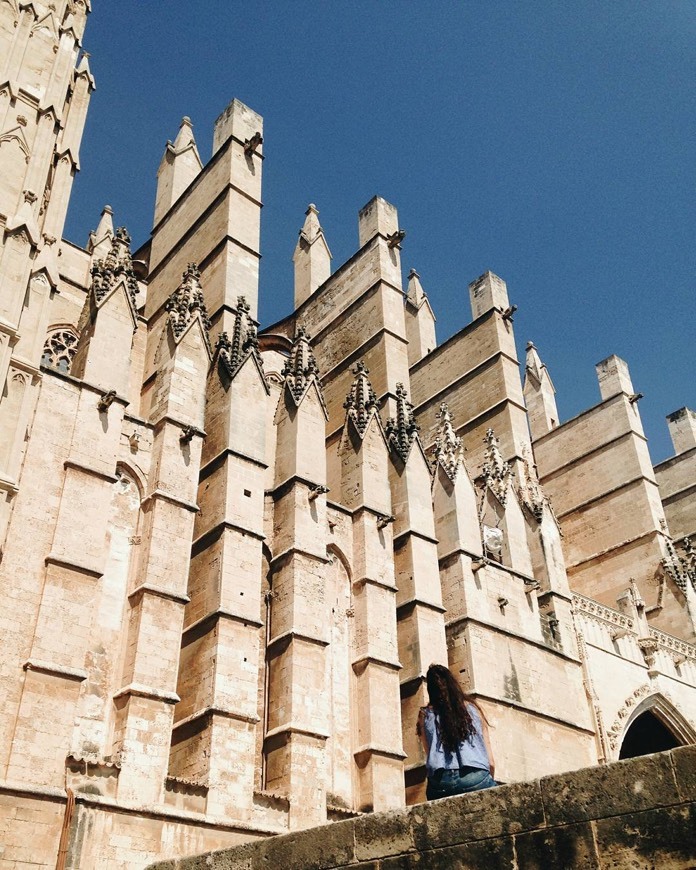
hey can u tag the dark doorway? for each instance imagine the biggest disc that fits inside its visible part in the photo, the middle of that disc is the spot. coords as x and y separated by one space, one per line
647 734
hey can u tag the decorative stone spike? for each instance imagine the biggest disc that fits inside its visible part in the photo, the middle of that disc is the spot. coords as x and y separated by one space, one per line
233 352
301 367
362 401
186 302
449 451
496 471
117 263
681 570
402 430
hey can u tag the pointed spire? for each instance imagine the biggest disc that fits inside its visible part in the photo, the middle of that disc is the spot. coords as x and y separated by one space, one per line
496 471
186 302
234 352
312 257
104 233
449 450
415 294
117 264
402 430
184 138
539 394
301 368
83 67
534 365
179 166
361 402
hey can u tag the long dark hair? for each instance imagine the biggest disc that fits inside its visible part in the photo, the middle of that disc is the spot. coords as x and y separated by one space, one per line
450 703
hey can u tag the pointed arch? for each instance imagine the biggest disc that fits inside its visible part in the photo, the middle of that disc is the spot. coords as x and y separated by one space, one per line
653 718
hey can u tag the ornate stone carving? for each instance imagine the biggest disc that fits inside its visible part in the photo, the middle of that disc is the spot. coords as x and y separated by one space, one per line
232 353
449 450
59 349
624 711
116 265
673 644
186 302
402 429
301 367
600 612
531 494
361 403
496 471
681 569
648 646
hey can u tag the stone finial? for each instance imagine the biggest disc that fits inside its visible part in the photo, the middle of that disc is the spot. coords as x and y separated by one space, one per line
233 352
117 264
449 451
105 228
312 257
415 294
301 367
402 429
186 302
496 471
361 402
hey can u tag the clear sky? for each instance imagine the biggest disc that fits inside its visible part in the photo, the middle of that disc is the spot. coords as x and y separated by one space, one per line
551 142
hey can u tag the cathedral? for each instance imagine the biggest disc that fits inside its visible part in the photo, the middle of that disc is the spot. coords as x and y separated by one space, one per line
230 551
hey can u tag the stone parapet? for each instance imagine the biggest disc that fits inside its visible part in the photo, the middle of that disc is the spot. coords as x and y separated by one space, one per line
634 813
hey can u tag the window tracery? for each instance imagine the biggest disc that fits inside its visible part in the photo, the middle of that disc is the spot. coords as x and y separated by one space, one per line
59 349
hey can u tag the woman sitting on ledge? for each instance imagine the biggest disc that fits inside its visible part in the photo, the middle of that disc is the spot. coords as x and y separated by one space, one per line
454 734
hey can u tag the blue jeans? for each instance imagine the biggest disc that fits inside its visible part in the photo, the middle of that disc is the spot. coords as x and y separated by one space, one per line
450 782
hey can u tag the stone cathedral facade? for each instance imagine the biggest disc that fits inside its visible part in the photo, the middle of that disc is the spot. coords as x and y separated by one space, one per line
229 553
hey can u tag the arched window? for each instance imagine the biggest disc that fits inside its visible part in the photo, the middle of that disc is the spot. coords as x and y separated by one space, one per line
59 349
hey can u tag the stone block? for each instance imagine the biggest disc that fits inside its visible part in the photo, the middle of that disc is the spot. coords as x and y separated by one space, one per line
494 854
684 763
379 835
569 847
661 838
595 793
315 849
478 815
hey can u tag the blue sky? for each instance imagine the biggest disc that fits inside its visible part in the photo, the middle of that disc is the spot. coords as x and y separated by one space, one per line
550 142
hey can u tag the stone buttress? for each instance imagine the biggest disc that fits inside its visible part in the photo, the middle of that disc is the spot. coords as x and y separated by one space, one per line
363 457
297 718
213 742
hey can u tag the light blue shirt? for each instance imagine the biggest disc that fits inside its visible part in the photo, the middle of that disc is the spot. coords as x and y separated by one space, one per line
472 751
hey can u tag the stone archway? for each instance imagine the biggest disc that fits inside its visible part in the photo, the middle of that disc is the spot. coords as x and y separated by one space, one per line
655 726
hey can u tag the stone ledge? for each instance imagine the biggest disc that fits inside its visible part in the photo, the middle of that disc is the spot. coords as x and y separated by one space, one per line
634 813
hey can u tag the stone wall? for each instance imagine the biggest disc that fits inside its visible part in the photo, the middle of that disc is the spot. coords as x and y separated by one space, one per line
638 813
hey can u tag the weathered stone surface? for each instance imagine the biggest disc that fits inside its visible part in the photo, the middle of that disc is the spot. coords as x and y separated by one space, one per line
563 848
316 849
663 838
222 583
684 761
610 790
489 813
495 854
380 835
